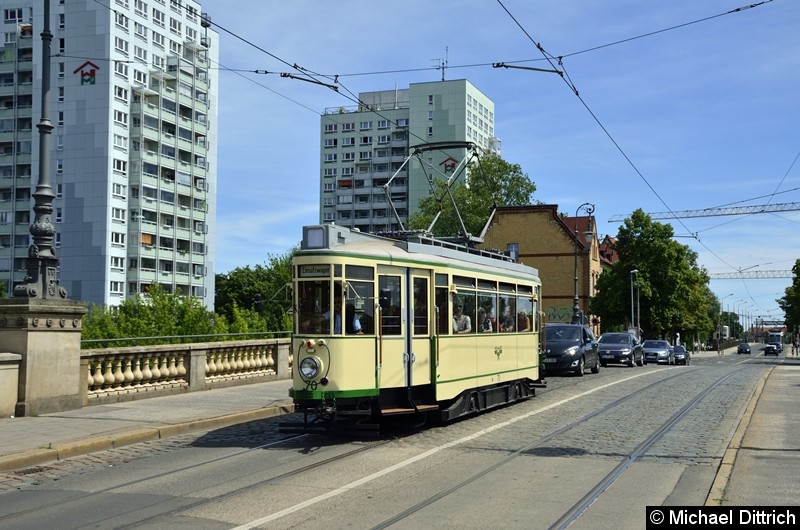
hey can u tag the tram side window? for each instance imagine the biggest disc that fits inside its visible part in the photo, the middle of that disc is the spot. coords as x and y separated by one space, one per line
487 316
524 311
390 303
421 314
507 311
464 305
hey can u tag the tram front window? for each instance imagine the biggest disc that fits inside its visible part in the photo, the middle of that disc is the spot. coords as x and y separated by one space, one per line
313 306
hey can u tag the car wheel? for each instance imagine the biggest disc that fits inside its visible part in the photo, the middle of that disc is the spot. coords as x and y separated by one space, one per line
579 369
596 367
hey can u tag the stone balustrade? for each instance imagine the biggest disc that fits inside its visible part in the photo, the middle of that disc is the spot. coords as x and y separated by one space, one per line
113 375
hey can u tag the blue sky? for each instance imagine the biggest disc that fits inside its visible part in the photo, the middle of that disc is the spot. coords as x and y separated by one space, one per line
702 115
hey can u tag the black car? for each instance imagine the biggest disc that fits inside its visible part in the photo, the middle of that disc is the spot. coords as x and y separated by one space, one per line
681 355
770 349
570 348
620 348
743 348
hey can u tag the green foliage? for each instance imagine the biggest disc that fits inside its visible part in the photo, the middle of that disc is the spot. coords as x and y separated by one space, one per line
790 301
160 314
237 293
492 181
673 290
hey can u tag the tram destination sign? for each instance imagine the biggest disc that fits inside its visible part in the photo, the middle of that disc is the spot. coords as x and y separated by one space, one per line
315 271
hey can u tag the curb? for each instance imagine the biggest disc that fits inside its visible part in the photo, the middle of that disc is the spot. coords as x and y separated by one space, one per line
85 446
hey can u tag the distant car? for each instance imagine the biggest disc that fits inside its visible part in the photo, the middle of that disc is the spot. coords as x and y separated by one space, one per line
770 349
570 348
681 355
658 351
743 348
620 348
778 346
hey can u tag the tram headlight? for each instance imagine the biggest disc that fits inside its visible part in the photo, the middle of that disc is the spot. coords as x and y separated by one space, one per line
310 367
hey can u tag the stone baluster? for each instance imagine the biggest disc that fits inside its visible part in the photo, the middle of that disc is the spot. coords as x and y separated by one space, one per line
151 373
119 377
181 368
97 379
127 374
137 370
164 369
109 373
226 365
270 362
173 367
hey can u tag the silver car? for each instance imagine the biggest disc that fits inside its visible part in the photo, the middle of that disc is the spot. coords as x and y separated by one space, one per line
658 351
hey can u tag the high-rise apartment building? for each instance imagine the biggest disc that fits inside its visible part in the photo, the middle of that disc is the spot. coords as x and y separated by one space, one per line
363 148
133 103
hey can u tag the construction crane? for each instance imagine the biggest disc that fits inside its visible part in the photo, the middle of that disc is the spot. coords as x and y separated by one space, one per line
715 212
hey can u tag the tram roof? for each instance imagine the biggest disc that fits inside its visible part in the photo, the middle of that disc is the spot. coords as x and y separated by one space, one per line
330 236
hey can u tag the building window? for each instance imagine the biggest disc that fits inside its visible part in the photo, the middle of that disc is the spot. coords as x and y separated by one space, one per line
366 140
330 157
330 172
383 124
118 214
119 18
365 125
430 99
348 142
121 93
117 190
159 18
121 69
120 166
117 263
140 53
115 287
430 131
117 238
121 45
347 127
331 127
348 157
158 39
330 143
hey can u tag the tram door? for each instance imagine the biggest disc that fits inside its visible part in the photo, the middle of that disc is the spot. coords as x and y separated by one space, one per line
404 333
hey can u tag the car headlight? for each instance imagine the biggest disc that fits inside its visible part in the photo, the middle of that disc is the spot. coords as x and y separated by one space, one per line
625 351
310 367
571 351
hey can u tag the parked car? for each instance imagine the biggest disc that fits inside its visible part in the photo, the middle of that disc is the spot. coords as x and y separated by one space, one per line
681 355
770 349
658 351
743 348
620 348
570 348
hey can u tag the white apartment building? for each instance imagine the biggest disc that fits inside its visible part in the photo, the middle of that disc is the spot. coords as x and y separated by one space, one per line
133 101
362 148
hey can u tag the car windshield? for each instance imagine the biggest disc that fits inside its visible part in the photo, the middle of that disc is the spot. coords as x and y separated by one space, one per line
655 344
562 333
679 349
620 338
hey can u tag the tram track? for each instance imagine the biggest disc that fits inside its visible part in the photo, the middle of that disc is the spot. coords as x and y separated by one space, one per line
8 519
597 489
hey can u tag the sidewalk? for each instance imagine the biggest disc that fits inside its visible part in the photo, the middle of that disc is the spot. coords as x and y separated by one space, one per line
30 441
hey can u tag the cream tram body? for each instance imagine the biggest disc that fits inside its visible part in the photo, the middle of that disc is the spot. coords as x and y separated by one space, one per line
377 332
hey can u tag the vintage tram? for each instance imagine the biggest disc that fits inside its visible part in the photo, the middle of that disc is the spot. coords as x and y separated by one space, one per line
408 328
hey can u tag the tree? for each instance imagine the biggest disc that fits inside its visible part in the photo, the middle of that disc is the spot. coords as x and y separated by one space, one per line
159 314
492 181
259 296
672 289
790 301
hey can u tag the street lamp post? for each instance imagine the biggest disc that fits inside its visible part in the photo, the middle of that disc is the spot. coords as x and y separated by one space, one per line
719 336
735 312
633 322
588 207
